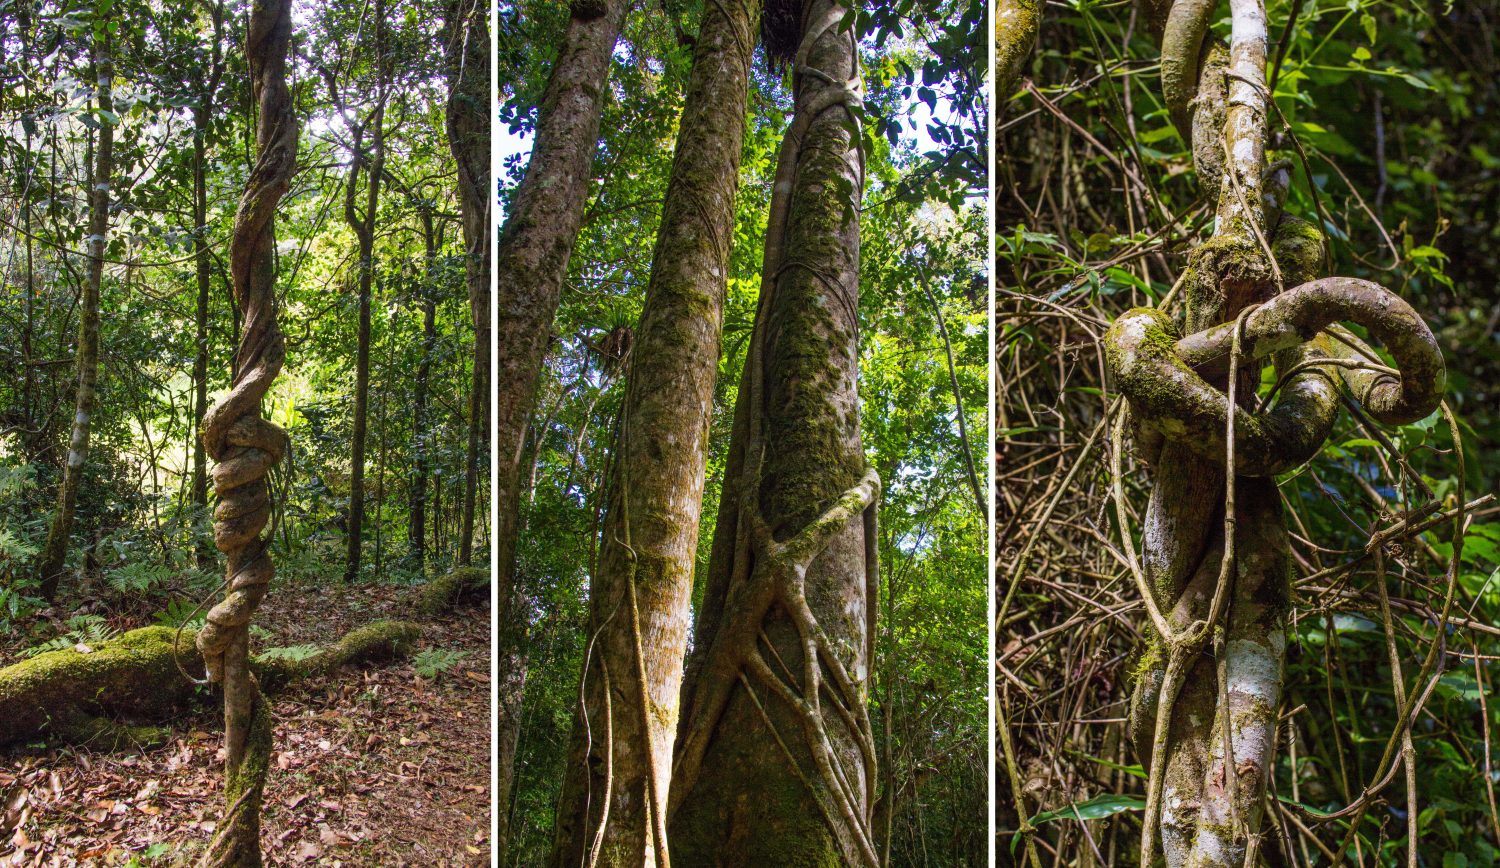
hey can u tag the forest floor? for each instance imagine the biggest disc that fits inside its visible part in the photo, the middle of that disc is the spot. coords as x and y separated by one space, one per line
371 765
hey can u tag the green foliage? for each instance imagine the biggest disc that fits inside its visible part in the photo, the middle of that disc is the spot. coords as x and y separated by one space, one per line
432 662
20 541
137 578
140 532
1096 808
181 613
90 630
291 653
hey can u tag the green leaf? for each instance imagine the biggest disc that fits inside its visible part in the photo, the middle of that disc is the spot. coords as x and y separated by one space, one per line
1134 770
1096 808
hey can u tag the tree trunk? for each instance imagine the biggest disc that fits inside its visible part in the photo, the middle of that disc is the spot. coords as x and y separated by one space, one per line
776 758
201 114
614 797
421 453
468 125
537 240
54 555
244 446
364 229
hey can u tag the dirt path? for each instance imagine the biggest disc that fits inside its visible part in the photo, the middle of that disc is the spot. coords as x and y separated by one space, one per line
371 766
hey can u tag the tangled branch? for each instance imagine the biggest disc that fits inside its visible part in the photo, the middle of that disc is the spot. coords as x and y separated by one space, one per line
1209 748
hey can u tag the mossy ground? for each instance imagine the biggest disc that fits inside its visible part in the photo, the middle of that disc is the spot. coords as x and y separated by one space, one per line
458 585
371 765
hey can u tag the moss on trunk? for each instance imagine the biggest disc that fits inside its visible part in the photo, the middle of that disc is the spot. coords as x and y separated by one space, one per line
614 796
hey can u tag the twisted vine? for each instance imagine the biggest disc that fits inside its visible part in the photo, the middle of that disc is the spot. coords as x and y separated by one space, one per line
245 446
1204 712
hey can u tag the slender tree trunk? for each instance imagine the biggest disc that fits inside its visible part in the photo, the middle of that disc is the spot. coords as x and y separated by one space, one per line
54 555
437 515
201 114
30 416
468 125
390 365
537 240
244 446
776 758
364 229
421 452
614 797
200 358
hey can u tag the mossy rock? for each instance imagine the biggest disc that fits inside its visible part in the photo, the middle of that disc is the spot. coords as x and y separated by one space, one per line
458 585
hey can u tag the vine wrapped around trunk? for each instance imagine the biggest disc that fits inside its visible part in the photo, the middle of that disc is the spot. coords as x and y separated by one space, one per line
1215 571
776 758
245 446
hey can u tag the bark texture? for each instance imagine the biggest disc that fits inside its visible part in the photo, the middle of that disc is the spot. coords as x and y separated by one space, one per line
776 760
51 564
614 799
244 446
1016 26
